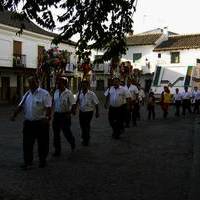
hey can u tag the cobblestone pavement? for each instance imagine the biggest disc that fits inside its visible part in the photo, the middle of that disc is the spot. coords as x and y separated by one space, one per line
151 161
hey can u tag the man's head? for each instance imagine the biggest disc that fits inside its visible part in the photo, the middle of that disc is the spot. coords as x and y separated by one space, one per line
129 81
116 82
177 90
186 89
122 83
62 82
195 88
85 85
33 83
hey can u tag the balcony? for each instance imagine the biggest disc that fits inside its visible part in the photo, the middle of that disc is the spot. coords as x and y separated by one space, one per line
99 68
19 60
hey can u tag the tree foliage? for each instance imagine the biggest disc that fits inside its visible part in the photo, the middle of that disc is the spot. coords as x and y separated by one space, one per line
101 24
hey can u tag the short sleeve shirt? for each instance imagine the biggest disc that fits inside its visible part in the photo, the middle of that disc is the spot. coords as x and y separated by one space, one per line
63 101
133 91
88 101
34 104
117 96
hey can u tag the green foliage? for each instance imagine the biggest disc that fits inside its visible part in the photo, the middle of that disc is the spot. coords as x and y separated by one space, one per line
101 24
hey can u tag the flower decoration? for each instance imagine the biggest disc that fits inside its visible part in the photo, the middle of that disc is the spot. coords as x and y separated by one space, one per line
55 58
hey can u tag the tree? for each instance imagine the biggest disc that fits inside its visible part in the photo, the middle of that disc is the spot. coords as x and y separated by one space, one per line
101 24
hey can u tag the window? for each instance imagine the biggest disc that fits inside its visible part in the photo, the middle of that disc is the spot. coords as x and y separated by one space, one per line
137 57
98 59
198 60
40 54
175 57
159 55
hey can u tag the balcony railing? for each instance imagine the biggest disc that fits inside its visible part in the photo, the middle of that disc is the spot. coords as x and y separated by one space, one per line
19 60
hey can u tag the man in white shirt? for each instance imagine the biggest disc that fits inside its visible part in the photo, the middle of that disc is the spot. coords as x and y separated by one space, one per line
196 100
186 100
88 102
64 105
36 105
115 98
134 107
126 105
177 101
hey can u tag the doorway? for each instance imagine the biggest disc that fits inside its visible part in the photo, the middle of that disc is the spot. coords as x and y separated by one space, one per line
5 88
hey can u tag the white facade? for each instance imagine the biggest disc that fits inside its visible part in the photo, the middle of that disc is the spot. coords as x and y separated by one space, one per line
12 82
148 56
30 42
174 71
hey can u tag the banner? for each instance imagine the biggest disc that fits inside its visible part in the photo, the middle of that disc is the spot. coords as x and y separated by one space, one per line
188 76
196 76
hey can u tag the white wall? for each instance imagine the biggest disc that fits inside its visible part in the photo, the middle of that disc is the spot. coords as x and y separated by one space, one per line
147 53
30 45
187 57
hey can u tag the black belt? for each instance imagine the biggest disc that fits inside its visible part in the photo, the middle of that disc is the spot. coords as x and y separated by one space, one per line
62 113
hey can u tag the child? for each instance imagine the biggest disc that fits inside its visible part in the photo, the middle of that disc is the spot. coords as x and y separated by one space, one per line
151 105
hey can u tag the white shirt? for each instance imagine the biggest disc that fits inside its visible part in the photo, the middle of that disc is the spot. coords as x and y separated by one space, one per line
186 95
63 101
34 104
196 95
133 91
177 97
88 101
117 96
128 94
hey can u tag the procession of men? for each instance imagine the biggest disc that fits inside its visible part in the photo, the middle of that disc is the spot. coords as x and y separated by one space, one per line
123 102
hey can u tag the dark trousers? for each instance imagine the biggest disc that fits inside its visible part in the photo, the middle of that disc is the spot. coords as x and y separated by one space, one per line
186 104
178 106
85 120
115 117
62 122
126 115
35 131
165 108
196 106
151 111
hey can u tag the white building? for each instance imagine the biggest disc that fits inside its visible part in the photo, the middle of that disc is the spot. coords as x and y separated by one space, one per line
177 60
141 55
20 54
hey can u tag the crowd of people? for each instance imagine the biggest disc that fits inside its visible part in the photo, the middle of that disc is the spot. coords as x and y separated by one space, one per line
37 105
123 101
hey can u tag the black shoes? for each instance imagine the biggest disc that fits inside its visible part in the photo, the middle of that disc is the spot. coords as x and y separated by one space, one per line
73 146
26 166
42 164
56 154
85 143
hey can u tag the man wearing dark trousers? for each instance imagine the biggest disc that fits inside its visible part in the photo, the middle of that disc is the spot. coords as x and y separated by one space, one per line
64 105
186 101
36 105
115 98
177 101
87 101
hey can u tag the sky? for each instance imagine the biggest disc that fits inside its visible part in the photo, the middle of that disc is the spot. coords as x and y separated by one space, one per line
180 16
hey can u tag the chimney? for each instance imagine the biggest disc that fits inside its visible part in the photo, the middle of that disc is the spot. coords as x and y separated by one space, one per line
165 31
130 33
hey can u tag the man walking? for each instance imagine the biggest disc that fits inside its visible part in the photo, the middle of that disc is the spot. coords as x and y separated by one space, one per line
115 98
177 101
87 101
36 105
64 105
134 103
186 101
